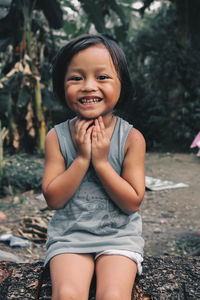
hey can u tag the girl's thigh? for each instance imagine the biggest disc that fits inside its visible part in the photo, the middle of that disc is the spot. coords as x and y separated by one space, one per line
71 275
115 277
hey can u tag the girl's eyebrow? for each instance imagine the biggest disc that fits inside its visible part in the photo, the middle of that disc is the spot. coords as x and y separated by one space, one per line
78 69
74 69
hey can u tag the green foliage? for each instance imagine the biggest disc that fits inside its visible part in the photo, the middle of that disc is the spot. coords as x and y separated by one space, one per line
25 71
21 173
162 49
166 75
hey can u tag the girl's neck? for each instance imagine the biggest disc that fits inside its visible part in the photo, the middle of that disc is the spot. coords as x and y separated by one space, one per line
108 120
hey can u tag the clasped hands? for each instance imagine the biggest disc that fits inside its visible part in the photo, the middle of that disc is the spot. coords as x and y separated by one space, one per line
91 141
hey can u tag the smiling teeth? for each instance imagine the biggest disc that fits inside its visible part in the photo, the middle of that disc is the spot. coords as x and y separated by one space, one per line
85 101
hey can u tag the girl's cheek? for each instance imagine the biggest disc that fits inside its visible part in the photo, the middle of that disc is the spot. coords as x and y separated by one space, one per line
69 93
67 88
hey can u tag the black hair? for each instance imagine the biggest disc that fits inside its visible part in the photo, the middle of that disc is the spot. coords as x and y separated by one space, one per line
66 53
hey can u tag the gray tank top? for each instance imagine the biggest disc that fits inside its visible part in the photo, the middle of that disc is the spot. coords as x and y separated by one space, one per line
90 221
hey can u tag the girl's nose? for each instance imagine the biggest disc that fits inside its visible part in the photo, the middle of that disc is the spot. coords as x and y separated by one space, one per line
89 85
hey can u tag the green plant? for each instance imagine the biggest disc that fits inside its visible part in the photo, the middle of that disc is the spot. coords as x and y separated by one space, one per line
24 71
21 173
166 75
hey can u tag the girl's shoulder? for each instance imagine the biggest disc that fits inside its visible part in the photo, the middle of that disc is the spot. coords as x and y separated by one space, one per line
134 135
135 141
51 140
54 132
52 136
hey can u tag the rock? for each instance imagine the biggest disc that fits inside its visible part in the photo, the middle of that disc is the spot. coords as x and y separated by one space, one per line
163 278
157 230
2 217
16 200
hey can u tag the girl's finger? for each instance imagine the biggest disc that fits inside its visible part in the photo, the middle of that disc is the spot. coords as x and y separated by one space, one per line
96 123
101 128
89 132
98 130
101 123
86 124
94 133
80 121
82 124
78 124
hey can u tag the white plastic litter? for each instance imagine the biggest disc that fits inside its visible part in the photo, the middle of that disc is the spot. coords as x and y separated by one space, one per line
14 241
156 184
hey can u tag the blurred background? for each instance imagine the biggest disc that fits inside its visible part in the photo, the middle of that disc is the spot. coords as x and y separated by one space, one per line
162 44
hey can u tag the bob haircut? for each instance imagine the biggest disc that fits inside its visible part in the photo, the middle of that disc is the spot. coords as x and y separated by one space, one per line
64 56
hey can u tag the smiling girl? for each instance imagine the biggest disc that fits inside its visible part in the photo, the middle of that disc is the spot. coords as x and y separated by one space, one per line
94 176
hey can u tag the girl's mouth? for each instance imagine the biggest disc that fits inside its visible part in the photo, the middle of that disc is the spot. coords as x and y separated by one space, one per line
90 100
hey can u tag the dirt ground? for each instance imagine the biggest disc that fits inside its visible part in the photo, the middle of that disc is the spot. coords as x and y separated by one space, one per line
170 217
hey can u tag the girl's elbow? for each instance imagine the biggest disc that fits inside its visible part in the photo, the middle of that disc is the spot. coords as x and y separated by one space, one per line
53 200
132 210
49 200
135 205
52 204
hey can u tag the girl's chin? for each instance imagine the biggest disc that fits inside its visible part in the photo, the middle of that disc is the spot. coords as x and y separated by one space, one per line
86 118
90 117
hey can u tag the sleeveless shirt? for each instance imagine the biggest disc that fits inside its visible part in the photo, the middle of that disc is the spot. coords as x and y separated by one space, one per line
90 221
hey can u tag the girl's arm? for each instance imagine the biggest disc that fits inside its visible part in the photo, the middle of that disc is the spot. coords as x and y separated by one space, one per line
59 183
127 190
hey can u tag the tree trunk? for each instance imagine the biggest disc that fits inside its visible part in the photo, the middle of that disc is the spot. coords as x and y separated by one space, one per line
41 126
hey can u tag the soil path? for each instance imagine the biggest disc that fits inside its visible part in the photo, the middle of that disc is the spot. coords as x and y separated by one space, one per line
170 217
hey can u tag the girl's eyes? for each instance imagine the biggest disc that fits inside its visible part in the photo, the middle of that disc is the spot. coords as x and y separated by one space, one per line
75 78
78 78
103 77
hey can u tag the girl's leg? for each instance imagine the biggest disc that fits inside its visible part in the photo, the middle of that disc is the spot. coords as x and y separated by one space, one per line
115 277
71 276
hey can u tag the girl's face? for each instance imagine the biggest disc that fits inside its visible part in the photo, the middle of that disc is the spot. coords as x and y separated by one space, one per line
92 85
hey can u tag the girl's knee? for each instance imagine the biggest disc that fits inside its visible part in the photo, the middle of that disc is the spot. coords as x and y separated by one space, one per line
111 294
66 292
